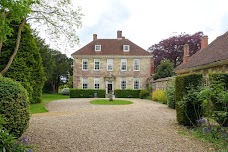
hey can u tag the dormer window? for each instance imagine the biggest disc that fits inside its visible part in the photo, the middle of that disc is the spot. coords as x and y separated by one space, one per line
126 48
97 47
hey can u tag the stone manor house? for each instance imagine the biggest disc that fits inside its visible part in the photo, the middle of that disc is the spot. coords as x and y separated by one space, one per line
112 64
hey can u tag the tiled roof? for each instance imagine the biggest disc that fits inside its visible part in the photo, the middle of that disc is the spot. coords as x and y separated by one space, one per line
214 52
112 47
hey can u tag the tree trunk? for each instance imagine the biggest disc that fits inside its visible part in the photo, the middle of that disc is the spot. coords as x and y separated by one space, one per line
0 46
16 47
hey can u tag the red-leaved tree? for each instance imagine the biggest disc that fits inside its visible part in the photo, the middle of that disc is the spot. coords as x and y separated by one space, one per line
172 48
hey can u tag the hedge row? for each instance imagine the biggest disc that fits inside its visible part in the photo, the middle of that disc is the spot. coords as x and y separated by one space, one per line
88 93
183 84
128 93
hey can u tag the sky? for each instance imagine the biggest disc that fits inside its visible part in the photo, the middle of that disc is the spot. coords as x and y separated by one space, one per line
147 22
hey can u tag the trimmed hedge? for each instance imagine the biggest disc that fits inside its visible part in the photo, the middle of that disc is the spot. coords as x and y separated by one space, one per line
14 106
182 86
216 79
218 84
127 93
86 93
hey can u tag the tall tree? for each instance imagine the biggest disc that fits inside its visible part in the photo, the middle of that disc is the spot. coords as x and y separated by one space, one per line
164 69
27 66
172 48
59 17
57 66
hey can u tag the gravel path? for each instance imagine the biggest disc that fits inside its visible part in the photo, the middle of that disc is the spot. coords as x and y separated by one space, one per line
76 125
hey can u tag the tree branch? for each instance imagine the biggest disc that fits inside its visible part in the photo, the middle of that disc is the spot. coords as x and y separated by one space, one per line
16 47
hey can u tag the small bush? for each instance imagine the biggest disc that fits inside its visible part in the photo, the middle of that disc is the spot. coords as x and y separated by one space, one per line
86 93
14 106
182 85
189 109
127 93
160 96
143 94
170 93
65 91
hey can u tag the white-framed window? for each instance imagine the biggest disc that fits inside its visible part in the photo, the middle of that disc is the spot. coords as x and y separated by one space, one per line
136 64
84 64
136 84
126 48
96 64
96 83
109 64
123 66
97 47
84 83
123 84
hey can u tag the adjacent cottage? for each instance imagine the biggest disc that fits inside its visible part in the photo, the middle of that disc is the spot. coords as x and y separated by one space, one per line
211 58
111 64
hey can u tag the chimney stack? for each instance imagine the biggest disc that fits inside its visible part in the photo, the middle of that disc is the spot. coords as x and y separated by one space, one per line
204 41
94 36
186 53
119 34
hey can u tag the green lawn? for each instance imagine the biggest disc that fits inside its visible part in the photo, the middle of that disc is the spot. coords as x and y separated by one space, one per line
40 107
107 102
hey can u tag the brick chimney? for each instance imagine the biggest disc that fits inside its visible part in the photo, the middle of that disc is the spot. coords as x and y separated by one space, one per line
186 53
204 41
94 36
119 34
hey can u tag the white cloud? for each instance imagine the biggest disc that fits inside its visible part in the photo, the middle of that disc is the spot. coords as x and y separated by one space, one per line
147 22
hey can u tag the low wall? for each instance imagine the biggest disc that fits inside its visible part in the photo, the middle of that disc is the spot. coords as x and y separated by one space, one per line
160 83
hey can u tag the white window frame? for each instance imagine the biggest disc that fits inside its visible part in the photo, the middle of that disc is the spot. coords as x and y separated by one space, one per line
97 48
96 82
84 81
134 84
135 64
121 65
123 80
110 63
85 60
126 48
99 64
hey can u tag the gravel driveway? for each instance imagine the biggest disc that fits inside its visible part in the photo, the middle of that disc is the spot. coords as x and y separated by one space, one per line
76 125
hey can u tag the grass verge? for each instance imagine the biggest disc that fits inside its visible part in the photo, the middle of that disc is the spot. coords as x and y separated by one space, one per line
40 107
107 102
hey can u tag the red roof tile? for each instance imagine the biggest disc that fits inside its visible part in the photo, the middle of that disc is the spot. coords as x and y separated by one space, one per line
112 47
216 51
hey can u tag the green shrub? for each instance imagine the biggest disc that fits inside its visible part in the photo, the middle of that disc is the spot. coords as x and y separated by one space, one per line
86 93
190 107
8 143
218 83
182 85
14 106
143 94
65 91
127 93
170 93
160 96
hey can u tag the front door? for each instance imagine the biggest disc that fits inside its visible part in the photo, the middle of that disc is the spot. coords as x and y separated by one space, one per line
109 88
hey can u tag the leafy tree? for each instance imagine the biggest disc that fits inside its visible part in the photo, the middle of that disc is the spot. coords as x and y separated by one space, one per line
165 69
61 71
27 66
172 48
57 67
58 17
